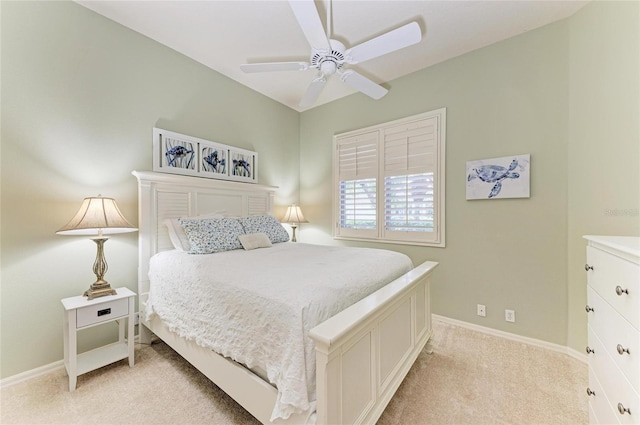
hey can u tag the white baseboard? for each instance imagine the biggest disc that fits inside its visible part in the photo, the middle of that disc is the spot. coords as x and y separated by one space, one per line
39 371
514 337
30 374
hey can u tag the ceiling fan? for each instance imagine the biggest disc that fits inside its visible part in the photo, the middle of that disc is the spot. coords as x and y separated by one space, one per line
328 56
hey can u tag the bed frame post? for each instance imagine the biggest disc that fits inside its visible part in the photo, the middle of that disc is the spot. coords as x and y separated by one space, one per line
144 334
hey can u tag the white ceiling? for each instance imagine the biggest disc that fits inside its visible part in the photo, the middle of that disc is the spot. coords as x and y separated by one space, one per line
224 34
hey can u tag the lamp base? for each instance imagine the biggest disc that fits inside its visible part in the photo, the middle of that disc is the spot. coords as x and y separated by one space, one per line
100 287
99 290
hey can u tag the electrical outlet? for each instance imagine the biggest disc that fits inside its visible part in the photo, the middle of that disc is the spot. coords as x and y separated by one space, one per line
136 319
482 310
510 316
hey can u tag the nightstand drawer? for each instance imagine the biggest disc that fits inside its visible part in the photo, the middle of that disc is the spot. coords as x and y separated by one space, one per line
97 313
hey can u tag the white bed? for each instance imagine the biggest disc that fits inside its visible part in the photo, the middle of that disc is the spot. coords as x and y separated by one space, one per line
362 353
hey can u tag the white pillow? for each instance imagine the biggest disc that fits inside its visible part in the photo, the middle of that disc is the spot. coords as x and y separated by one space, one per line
178 236
254 240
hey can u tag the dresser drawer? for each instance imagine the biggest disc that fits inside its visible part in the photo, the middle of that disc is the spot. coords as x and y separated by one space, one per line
101 312
615 386
614 330
600 411
610 272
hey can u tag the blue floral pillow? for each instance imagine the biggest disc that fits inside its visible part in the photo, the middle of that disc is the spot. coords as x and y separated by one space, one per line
211 235
265 224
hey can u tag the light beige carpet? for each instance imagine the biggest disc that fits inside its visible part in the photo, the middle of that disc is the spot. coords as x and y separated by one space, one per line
471 378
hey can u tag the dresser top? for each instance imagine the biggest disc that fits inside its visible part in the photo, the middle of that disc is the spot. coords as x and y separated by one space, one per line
627 244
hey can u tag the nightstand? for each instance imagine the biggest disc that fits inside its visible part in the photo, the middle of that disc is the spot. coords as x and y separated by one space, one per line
80 313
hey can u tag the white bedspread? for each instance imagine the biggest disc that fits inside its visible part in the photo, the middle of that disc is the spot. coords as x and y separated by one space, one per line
257 307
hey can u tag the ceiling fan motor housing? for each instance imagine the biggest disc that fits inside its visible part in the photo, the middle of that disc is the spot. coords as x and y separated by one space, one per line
329 62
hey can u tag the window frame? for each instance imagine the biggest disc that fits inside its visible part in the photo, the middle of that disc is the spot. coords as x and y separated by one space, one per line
380 234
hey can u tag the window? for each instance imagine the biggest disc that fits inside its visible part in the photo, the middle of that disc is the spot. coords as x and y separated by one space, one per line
389 181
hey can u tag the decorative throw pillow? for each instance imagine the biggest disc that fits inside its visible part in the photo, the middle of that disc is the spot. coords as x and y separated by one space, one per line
211 235
254 240
265 224
177 235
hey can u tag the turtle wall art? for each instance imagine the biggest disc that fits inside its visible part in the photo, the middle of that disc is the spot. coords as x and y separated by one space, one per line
499 178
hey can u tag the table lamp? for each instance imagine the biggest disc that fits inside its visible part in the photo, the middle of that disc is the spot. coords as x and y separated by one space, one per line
294 217
98 216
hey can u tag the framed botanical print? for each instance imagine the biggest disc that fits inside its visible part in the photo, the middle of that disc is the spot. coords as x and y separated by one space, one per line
213 159
187 155
243 165
175 153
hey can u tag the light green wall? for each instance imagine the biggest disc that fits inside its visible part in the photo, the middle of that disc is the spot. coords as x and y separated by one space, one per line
506 99
80 96
604 143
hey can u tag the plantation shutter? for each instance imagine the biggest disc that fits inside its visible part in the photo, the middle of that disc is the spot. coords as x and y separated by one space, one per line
389 181
357 160
410 168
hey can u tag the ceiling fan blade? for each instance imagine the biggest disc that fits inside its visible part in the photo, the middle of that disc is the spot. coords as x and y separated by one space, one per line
313 91
386 43
363 84
274 66
309 20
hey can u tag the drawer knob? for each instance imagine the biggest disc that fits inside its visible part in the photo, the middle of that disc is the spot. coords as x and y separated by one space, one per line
587 267
588 309
622 350
623 409
589 350
590 392
621 291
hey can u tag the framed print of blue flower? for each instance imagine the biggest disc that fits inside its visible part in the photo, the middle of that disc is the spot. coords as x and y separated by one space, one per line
179 154
214 160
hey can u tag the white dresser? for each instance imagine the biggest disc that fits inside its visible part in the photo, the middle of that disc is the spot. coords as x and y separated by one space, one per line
613 308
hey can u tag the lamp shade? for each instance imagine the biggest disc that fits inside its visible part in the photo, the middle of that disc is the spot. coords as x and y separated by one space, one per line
97 215
294 215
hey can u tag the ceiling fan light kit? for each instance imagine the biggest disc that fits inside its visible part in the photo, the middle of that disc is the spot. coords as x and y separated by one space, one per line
329 56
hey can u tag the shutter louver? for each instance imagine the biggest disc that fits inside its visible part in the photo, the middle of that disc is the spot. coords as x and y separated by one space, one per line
410 163
409 203
357 179
358 157
411 148
358 204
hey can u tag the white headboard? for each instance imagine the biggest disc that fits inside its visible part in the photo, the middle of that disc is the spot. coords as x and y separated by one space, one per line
162 196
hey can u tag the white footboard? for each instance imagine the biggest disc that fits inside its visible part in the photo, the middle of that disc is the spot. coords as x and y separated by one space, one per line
364 352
